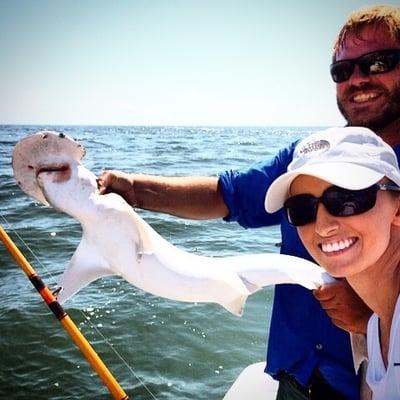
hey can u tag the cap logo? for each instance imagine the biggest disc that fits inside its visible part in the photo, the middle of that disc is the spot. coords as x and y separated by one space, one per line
318 146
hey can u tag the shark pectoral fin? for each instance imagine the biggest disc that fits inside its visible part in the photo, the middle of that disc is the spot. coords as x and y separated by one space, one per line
84 267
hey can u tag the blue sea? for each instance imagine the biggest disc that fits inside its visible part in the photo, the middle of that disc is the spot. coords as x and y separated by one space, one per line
155 348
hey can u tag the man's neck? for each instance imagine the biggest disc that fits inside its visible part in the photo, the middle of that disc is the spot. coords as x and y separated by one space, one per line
391 133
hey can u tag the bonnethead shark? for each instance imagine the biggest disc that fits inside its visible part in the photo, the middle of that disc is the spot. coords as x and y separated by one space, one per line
117 241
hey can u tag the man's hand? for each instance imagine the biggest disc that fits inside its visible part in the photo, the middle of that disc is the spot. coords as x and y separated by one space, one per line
117 182
344 306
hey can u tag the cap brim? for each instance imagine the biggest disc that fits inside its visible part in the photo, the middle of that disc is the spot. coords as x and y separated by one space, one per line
346 175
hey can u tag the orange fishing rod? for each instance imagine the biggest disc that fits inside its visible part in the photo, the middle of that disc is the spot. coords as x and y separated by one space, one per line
49 298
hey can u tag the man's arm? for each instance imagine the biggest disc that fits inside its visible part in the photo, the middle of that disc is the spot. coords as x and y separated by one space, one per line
187 197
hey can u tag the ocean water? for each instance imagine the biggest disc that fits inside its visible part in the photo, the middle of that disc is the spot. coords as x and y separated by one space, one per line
156 348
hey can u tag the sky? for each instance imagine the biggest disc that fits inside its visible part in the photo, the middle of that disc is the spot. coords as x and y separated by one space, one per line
170 62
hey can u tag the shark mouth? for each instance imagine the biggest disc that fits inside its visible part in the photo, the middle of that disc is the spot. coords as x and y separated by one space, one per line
52 168
62 172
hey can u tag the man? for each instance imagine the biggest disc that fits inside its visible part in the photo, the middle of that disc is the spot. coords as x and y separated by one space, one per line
309 355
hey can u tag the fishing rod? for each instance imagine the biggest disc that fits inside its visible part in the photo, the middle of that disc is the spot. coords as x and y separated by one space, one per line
65 320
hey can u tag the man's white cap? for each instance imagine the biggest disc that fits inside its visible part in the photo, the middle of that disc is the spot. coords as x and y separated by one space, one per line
353 158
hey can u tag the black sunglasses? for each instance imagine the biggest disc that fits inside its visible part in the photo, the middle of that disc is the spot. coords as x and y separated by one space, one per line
302 209
377 62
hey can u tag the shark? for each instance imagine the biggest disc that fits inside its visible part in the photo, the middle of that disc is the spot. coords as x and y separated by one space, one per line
115 240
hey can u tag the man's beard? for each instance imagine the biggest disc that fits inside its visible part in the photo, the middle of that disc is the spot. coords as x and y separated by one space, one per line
379 119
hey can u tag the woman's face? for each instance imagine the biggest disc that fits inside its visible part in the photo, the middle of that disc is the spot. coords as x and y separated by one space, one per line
345 246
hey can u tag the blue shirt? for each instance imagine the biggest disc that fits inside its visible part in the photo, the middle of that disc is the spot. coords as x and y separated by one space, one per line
302 336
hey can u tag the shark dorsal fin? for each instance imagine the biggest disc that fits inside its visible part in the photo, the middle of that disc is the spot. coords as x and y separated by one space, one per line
146 244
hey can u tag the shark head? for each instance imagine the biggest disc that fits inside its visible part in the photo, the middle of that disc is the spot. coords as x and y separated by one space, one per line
44 153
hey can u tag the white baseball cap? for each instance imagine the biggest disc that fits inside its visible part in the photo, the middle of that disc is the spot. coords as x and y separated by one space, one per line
352 158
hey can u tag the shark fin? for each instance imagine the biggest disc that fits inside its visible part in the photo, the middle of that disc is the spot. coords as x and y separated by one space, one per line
84 267
146 245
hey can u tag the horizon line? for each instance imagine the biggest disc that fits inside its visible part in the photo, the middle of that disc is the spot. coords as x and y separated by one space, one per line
166 125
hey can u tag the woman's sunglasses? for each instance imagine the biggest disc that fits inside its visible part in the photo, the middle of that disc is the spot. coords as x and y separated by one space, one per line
302 209
377 62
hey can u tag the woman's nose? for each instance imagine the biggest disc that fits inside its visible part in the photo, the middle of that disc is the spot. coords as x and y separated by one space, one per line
325 223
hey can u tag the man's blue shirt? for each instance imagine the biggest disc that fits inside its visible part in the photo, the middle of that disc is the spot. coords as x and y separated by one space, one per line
302 336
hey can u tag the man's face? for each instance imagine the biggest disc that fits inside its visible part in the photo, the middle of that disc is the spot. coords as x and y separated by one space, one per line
372 101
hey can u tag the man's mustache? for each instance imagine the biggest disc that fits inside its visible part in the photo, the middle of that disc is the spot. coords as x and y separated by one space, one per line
364 86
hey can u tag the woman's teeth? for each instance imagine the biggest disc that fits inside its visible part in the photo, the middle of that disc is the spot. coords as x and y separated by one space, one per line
336 246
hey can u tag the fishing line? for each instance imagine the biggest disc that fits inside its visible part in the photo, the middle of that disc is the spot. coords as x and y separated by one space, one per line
119 356
86 317
26 245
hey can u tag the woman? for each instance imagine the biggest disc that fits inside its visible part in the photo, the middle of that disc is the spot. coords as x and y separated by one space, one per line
342 192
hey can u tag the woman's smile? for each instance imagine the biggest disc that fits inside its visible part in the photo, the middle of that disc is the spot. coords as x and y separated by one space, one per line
337 247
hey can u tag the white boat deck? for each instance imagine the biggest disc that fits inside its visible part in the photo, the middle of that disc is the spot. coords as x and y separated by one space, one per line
253 384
